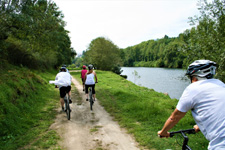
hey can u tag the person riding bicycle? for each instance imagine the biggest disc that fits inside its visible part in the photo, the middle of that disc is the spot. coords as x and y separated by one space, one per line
205 97
66 68
83 72
89 81
63 81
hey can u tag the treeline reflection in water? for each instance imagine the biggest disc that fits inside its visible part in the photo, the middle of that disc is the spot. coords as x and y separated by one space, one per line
171 81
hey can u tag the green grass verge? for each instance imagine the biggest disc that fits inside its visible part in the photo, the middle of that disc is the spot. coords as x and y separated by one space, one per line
28 106
142 111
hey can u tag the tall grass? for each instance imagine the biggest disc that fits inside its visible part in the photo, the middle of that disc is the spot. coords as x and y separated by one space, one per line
27 105
142 111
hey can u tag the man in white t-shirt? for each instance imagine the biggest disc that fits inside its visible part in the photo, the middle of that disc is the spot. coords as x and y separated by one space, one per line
63 81
205 97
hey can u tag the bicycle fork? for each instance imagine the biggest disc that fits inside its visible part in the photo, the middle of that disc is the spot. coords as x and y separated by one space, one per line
185 143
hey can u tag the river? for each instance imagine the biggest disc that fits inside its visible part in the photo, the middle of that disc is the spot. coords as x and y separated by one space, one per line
171 81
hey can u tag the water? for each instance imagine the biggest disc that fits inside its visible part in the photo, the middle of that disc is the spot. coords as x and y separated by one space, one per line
171 81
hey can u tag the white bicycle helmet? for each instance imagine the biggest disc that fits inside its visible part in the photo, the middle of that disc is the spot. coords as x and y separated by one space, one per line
90 67
202 68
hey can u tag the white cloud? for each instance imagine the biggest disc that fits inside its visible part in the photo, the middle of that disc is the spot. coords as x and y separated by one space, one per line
125 22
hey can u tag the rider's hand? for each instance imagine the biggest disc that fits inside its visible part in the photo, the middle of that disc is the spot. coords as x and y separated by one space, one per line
196 128
162 135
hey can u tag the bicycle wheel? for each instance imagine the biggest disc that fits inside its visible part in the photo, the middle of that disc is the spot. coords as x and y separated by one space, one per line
68 109
90 98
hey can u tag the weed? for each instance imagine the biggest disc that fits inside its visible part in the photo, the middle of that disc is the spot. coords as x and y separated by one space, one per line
28 105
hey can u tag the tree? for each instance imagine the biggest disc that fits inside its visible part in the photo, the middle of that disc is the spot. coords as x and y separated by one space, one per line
33 30
207 39
103 54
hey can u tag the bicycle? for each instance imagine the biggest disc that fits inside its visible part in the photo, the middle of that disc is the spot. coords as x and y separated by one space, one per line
182 132
67 106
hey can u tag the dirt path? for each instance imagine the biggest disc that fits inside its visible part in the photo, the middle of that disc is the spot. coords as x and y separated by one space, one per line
91 130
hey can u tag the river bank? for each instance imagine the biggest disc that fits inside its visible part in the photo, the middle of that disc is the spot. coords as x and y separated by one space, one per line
141 111
164 80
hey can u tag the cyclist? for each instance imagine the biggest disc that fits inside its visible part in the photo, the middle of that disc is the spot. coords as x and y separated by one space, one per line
66 68
63 81
83 72
205 97
89 81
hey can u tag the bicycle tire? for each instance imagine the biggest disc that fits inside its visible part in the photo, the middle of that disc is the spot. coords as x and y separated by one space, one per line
67 107
91 98
68 110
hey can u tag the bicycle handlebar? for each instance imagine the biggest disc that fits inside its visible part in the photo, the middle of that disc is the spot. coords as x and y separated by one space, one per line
188 131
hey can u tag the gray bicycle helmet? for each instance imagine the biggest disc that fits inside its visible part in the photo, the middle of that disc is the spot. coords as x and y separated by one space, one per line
202 68
90 67
62 69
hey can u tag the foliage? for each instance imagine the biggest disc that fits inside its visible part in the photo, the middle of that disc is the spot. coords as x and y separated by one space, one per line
117 70
103 54
142 111
34 31
207 40
156 53
204 41
27 107
79 61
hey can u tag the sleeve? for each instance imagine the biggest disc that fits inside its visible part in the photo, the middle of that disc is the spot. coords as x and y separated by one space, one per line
185 103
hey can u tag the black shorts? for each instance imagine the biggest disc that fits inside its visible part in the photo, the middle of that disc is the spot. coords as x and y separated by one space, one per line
63 90
93 88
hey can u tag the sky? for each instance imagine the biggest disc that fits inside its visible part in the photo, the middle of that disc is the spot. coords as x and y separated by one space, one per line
125 22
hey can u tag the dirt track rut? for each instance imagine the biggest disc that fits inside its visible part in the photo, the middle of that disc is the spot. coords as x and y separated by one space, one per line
91 130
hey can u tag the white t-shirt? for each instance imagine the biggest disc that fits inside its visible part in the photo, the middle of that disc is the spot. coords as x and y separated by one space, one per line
206 99
63 79
90 79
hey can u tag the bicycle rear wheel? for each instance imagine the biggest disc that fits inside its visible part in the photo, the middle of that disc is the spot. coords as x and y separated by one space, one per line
68 110
67 107
91 98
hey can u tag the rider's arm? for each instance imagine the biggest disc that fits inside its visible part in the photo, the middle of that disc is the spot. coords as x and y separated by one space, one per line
171 122
96 80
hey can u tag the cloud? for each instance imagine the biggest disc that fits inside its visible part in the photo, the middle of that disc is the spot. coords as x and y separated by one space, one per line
125 22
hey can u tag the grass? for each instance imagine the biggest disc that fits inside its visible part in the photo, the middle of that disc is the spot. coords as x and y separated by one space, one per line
95 129
28 105
142 111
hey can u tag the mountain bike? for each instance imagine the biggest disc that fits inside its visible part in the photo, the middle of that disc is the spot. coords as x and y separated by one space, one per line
67 106
183 133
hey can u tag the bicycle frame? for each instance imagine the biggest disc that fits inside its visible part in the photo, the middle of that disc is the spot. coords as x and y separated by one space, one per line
182 132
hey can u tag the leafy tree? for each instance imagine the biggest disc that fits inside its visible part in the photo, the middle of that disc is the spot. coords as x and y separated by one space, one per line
33 30
207 40
103 54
